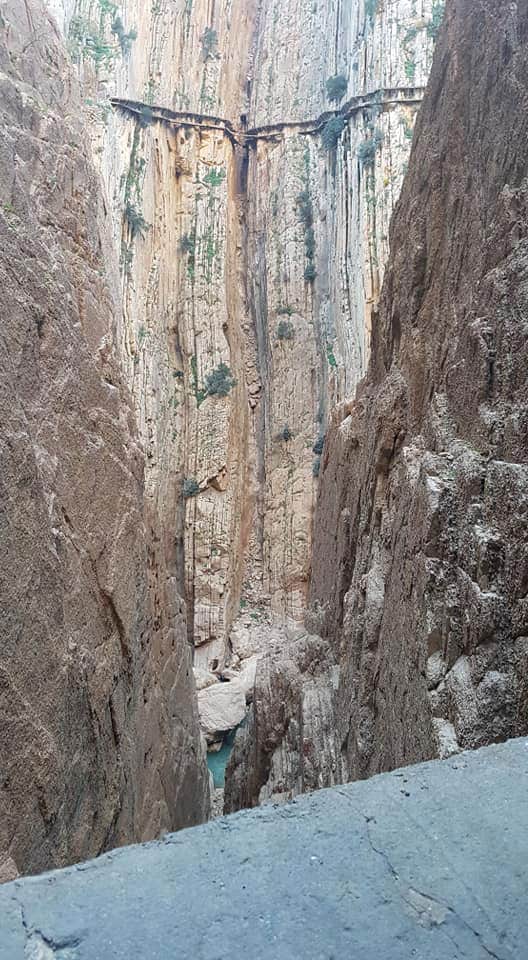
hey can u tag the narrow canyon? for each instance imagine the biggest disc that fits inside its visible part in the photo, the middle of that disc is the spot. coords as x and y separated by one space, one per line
264 487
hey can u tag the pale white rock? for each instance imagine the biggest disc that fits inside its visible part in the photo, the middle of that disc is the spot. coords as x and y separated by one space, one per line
204 678
221 706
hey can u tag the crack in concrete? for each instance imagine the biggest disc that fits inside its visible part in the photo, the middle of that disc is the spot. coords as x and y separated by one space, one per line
39 946
433 909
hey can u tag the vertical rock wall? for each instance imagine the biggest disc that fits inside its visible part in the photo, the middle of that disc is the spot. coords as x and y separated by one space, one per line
420 561
99 741
224 263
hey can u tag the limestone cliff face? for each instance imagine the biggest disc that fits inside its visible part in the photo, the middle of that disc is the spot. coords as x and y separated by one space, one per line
99 741
251 257
420 560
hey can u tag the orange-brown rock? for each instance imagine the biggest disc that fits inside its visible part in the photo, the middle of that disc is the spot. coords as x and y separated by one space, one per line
99 740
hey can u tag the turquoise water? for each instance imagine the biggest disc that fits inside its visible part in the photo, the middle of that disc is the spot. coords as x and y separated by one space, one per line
217 762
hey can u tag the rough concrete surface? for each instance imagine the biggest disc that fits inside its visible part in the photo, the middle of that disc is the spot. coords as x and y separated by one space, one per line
429 862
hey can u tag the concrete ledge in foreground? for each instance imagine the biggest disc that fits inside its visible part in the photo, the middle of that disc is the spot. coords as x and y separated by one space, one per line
429 862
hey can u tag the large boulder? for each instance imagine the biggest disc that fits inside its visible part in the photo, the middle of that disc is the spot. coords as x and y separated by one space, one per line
222 707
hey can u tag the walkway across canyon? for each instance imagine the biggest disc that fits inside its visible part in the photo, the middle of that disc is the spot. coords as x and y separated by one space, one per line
238 132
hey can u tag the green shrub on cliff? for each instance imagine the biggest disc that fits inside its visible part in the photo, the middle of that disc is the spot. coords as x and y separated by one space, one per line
331 132
367 150
336 87
220 381
125 39
437 15
285 434
137 224
285 330
190 488
209 40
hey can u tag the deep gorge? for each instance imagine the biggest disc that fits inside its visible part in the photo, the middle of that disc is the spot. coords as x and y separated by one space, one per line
215 531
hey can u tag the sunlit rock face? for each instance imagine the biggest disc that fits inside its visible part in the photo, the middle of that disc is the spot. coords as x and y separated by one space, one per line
249 264
99 736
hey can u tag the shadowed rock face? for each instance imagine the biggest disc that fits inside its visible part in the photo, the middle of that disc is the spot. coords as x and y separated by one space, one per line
421 563
99 741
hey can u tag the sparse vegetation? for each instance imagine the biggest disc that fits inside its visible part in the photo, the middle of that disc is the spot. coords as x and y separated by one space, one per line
410 69
304 202
85 39
285 434
371 8
146 115
285 311
125 39
136 222
437 15
214 177
209 41
367 150
319 444
316 466
332 131
188 243
285 330
190 488
219 382
336 87
331 358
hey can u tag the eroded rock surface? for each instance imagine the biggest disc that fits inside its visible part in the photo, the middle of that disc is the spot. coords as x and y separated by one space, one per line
99 742
288 746
260 257
421 560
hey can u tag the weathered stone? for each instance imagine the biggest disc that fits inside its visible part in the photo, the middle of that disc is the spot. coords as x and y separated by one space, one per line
221 707
94 663
428 861
424 480
288 745
221 261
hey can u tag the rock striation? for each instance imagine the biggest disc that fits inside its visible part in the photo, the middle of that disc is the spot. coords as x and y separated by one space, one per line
99 741
251 255
420 560
419 564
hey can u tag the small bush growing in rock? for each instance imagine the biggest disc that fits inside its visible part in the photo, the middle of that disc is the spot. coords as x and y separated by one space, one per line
310 273
125 39
209 40
437 16
316 467
136 221
367 150
336 87
304 202
371 8
220 381
190 488
285 311
331 132
187 243
319 444
285 330
285 434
